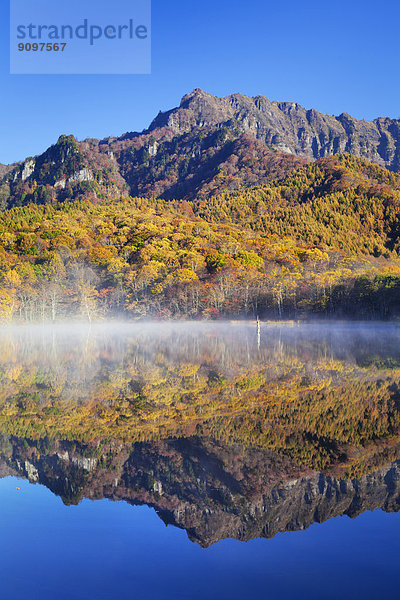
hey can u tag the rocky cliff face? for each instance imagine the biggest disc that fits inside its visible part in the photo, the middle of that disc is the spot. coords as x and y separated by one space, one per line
210 489
288 127
205 146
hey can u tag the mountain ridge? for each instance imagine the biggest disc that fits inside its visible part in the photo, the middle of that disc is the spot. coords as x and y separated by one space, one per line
204 146
257 112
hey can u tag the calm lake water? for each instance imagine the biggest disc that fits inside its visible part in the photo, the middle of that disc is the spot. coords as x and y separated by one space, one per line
200 461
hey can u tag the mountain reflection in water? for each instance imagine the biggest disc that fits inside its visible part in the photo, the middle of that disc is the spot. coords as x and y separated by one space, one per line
224 434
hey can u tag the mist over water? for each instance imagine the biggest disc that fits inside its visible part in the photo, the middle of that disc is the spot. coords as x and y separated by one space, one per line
339 338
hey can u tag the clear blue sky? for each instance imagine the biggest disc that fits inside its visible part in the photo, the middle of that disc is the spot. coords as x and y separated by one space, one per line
332 56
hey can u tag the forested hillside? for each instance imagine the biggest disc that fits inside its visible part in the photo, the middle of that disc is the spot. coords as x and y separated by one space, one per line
339 202
323 239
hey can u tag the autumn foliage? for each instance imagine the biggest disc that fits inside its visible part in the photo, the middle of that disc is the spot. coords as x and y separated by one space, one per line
323 239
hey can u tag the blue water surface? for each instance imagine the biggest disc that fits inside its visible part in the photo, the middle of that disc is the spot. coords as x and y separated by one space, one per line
103 550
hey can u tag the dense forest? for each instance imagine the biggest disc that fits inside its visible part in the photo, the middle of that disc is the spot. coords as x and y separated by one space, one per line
322 240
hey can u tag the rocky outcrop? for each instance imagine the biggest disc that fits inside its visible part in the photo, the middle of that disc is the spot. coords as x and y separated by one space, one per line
81 175
28 169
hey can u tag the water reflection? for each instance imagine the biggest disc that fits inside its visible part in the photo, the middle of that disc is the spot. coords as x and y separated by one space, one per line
224 434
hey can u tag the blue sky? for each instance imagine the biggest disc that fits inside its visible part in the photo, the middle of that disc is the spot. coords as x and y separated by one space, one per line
335 57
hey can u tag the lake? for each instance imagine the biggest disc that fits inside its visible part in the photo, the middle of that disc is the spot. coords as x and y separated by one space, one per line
200 461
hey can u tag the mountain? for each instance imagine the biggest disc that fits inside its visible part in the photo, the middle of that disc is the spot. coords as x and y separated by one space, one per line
205 146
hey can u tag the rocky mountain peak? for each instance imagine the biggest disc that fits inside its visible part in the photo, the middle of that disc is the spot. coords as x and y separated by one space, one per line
195 96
